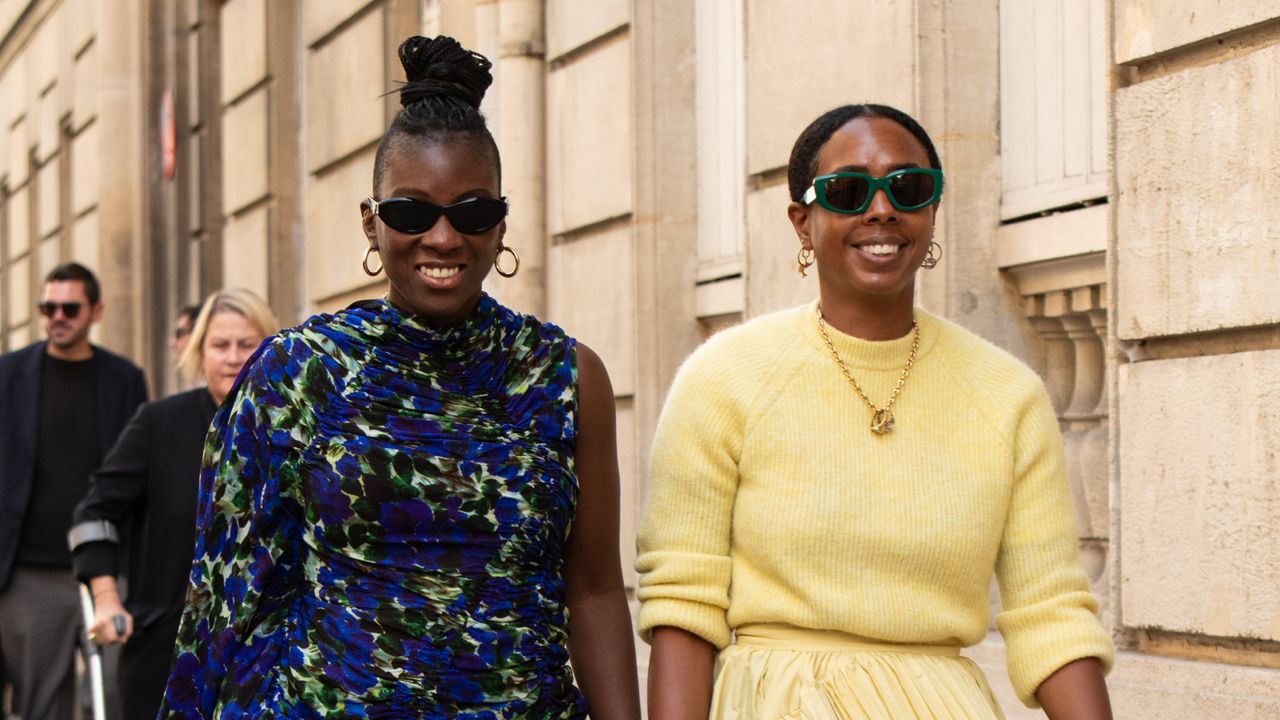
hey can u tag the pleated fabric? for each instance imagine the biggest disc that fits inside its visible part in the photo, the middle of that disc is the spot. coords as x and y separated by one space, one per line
779 672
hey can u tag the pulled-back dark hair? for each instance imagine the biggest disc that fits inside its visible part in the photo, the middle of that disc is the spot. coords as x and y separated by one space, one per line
444 85
803 166
75 271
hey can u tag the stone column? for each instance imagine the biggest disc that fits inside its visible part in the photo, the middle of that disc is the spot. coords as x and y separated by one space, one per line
521 136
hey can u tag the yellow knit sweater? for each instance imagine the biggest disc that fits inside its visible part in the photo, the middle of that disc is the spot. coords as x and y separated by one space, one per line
771 501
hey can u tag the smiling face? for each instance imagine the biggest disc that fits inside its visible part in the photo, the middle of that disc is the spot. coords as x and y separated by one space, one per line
438 274
228 342
869 259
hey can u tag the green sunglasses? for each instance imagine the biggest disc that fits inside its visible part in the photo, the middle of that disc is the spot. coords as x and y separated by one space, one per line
850 193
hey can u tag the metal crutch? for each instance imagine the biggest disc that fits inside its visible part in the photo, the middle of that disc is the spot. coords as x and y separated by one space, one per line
93 653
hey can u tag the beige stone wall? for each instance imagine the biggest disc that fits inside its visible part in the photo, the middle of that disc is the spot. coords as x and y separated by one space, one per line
1108 218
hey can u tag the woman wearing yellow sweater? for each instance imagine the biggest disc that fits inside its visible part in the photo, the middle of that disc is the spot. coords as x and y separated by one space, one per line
834 485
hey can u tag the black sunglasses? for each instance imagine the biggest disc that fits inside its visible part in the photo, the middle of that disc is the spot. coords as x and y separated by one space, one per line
413 217
69 309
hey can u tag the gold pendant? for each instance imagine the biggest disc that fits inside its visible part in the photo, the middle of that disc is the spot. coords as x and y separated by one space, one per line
882 422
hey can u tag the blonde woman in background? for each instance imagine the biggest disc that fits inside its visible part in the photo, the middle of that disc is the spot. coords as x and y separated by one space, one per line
148 486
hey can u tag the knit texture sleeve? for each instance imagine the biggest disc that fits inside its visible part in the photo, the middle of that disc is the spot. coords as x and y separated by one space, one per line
1050 615
683 540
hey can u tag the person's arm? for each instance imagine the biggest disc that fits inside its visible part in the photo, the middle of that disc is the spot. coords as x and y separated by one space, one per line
600 638
115 492
1049 616
680 668
1076 691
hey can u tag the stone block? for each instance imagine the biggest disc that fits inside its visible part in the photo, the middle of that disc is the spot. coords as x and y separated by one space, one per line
19 154
46 48
49 199
17 98
1197 224
590 295
1199 458
799 65
569 27
49 256
348 72
335 242
84 23
590 138
629 486
85 248
86 167
85 88
320 18
20 297
773 282
244 46
1145 28
244 251
48 133
19 207
21 335
244 152
195 73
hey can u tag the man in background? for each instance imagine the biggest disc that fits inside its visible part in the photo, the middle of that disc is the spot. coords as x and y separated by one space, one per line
65 400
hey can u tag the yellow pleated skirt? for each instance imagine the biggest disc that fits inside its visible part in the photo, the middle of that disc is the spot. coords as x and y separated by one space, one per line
779 672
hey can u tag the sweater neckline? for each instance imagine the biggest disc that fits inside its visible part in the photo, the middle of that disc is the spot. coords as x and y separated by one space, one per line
888 355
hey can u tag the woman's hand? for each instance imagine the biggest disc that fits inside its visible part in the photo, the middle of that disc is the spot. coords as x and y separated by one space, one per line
106 608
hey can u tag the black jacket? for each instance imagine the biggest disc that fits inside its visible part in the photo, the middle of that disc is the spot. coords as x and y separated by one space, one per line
147 488
120 389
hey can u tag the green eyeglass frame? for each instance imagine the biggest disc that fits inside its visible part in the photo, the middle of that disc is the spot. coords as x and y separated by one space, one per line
818 190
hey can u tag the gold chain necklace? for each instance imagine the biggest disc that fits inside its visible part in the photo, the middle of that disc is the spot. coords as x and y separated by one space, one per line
882 421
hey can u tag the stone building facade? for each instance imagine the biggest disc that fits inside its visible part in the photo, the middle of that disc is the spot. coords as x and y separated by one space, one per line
177 146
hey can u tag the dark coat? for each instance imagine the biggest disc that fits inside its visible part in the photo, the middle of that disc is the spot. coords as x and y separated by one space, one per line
120 390
148 487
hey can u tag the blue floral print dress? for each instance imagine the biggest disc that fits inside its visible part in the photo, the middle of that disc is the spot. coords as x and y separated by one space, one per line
382 523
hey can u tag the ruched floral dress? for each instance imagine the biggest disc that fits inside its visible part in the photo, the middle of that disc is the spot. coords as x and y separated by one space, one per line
383 515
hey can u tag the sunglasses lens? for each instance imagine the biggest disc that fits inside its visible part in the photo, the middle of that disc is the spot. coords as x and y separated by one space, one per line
69 310
848 194
911 190
408 216
476 215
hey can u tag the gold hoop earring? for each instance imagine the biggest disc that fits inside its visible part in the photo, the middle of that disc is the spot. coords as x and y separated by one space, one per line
498 267
931 259
365 263
804 260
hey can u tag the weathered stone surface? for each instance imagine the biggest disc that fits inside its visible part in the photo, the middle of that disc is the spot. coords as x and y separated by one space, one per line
335 242
17 99
569 27
48 197
773 282
320 18
19 238
19 149
589 138
48 134
244 152
20 298
1144 28
244 251
48 256
86 160
1198 170
244 46
1199 503
588 296
345 74
793 76
85 88
84 240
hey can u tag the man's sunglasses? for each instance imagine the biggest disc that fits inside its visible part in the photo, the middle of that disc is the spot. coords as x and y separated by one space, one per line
850 193
69 309
413 217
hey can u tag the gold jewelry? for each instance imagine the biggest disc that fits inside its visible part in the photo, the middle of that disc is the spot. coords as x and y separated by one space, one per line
882 421
365 263
804 259
931 259
93 636
498 267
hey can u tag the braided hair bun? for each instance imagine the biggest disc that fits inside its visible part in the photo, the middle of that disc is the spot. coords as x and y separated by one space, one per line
440 67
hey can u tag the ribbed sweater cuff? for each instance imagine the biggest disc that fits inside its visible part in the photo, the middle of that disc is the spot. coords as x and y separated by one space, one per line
706 621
